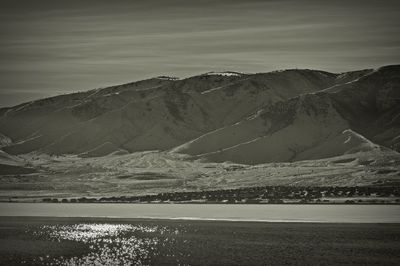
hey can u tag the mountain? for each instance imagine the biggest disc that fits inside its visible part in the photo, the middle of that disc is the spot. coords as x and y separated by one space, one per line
352 115
280 116
152 114
217 130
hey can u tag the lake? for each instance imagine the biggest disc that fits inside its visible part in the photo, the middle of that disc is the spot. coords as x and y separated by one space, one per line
198 234
267 213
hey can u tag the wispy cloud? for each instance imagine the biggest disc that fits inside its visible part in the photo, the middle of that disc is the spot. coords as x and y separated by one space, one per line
47 46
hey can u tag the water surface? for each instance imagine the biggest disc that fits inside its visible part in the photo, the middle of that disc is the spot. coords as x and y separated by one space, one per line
268 213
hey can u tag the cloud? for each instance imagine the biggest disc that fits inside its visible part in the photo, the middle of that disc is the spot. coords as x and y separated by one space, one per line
47 46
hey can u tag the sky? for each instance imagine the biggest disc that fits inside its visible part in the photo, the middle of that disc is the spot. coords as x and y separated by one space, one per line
51 47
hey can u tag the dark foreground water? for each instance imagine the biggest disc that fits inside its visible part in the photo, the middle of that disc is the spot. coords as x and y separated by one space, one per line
85 234
270 212
116 241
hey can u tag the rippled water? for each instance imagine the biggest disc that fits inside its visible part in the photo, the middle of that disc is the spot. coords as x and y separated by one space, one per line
108 244
140 243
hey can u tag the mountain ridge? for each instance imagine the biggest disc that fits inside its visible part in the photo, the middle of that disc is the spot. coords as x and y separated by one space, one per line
171 114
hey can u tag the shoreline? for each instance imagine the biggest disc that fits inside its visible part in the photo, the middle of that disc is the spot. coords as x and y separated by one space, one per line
339 213
105 219
184 219
338 201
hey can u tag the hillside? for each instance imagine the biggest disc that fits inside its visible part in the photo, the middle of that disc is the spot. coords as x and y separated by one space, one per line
358 115
223 116
154 114
214 130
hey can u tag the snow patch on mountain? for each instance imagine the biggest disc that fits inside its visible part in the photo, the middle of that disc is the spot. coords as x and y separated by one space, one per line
352 136
224 73
167 78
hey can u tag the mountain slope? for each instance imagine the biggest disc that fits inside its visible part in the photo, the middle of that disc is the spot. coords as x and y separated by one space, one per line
154 114
221 116
327 123
372 105
278 134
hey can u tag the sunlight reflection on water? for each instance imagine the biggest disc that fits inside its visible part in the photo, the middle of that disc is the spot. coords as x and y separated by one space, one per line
108 244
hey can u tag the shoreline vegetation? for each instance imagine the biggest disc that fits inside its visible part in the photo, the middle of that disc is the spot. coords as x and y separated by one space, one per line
249 195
